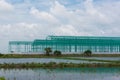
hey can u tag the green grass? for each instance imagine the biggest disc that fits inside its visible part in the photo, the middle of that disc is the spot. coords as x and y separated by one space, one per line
2 78
57 65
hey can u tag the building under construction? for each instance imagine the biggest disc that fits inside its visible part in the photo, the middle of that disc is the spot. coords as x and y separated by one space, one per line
68 44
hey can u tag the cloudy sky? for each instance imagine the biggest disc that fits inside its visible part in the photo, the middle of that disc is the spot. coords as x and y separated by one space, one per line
34 19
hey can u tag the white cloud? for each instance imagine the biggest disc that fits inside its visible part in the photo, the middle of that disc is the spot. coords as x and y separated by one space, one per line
58 9
92 12
90 20
19 31
43 15
5 6
66 30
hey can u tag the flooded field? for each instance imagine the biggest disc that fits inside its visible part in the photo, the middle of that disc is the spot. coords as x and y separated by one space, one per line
59 73
62 74
100 58
40 60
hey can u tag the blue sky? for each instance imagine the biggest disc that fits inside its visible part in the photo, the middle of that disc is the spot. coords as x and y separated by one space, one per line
31 19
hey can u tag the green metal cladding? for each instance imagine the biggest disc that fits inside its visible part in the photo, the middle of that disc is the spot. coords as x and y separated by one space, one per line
68 44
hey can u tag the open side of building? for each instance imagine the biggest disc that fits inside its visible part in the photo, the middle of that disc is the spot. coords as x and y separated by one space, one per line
68 44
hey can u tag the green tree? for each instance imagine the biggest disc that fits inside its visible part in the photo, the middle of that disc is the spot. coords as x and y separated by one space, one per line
57 53
48 50
87 53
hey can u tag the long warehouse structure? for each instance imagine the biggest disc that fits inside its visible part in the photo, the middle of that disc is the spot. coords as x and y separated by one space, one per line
68 44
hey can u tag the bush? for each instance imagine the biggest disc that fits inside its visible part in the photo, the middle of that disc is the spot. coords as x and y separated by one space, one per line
57 53
1 54
87 53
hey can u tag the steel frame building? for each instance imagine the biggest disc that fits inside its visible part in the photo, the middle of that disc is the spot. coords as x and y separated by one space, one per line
68 44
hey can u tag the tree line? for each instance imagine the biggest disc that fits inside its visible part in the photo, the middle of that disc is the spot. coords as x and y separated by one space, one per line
48 50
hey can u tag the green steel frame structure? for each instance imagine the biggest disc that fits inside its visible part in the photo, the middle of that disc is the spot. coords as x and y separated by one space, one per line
68 44
20 46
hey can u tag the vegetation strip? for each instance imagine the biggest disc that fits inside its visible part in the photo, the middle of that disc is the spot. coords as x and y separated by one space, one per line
2 78
54 56
57 65
114 61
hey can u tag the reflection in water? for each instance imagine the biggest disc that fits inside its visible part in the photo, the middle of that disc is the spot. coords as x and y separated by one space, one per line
62 74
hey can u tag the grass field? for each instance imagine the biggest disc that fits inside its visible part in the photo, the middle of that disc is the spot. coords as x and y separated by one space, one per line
53 56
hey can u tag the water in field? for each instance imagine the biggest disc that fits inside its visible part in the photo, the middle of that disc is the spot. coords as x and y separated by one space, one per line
101 58
40 60
62 74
